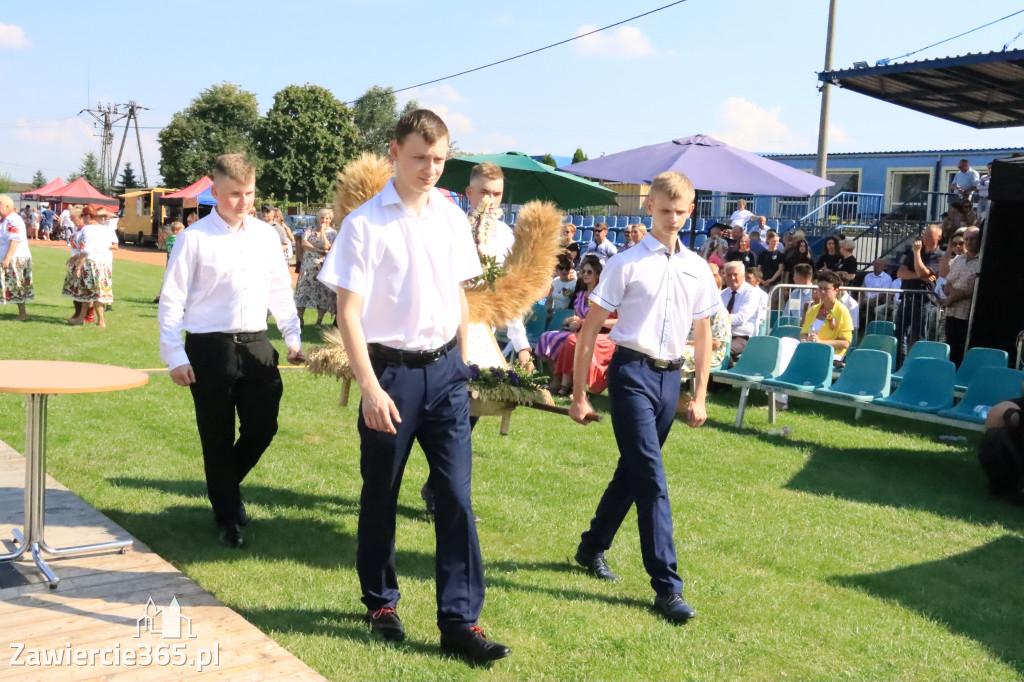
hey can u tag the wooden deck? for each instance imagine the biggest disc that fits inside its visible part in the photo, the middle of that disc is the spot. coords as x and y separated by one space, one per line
101 599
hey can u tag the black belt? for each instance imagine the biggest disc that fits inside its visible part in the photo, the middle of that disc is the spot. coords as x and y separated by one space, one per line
410 358
652 362
235 337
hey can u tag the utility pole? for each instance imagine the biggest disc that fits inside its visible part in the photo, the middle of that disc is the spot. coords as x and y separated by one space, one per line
131 112
105 117
821 164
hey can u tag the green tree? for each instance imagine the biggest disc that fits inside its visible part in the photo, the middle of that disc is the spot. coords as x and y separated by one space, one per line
6 182
549 160
219 121
304 140
579 155
128 179
375 115
38 180
90 170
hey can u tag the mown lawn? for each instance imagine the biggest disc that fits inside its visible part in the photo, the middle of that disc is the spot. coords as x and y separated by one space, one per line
866 552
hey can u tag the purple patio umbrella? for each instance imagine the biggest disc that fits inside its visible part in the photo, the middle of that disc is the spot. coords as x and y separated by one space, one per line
710 164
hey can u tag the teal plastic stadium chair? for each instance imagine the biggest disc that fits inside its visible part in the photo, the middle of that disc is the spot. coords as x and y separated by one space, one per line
881 342
922 349
787 331
760 360
558 317
989 386
883 327
536 322
927 386
724 364
808 369
867 376
975 359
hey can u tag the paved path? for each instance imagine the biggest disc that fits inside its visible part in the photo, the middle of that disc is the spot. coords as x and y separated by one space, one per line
101 604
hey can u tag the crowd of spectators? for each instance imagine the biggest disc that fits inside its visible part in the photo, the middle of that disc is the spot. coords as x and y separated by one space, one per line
748 260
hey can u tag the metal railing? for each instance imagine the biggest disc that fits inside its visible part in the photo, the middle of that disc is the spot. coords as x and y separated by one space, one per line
915 315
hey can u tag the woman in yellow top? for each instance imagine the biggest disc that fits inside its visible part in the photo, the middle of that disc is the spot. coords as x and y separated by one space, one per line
829 321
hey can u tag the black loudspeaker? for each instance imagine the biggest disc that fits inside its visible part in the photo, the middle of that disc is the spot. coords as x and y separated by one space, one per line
999 307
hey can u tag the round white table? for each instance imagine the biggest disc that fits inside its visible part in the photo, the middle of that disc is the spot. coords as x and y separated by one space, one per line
39 379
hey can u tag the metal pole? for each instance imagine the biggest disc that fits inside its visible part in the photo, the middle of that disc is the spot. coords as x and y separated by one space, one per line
820 165
142 161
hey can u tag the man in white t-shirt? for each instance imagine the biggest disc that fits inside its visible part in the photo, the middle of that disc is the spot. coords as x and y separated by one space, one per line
741 216
964 182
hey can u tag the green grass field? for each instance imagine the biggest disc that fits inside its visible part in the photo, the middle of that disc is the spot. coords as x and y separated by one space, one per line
866 552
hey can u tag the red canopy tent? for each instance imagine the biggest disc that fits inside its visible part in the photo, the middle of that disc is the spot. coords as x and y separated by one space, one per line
56 183
193 190
79 192
186 198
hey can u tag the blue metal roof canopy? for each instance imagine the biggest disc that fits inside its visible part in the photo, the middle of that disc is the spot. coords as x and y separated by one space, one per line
978 90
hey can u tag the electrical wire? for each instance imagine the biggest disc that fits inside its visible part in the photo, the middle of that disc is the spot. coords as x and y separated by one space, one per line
883 62
539 49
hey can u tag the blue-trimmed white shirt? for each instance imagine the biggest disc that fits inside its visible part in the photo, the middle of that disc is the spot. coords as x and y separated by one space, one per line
657 295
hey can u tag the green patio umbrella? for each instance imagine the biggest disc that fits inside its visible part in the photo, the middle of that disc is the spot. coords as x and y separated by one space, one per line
526 180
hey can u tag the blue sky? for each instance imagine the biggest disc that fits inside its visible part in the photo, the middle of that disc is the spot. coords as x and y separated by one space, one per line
742 70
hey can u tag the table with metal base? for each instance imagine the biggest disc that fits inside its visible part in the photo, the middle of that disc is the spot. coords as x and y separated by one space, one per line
40 379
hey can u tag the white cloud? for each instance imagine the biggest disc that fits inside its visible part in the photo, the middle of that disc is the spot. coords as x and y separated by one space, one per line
68 133
443 93
625 42
745 125
13 38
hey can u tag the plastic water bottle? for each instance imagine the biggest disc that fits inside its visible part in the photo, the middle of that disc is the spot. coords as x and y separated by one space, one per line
782 431
950 438
981 411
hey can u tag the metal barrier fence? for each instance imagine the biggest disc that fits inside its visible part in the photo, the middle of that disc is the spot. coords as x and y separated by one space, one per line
914 315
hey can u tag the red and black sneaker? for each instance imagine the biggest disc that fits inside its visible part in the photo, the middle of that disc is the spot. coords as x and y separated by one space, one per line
386 623
473 644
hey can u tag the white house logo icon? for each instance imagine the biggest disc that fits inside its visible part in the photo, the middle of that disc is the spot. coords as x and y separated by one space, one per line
171 620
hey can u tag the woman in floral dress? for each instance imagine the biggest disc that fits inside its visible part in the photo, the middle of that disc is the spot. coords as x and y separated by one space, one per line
15 259
310 292
94 266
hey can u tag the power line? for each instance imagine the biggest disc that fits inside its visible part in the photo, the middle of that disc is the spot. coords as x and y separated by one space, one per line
883 62
539 49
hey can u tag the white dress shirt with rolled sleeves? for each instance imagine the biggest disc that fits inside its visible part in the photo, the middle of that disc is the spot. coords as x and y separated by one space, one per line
744 310
408 268
220 279
873 281
657 296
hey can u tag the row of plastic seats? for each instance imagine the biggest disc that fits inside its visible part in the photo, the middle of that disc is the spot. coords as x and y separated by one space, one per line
928 385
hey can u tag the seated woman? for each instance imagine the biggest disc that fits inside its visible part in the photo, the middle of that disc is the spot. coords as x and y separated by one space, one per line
829 321
721 333
551 345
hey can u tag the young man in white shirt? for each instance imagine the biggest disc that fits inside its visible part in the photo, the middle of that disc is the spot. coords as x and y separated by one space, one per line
398 265
659 289
224 274
741 216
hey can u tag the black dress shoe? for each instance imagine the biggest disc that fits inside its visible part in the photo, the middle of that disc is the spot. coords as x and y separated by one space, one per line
386 623
472 644
231 535
674 607
596 565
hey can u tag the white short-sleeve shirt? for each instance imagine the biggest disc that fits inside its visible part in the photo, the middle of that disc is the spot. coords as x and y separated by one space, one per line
408 268
740 218
657 296
12 231
95 242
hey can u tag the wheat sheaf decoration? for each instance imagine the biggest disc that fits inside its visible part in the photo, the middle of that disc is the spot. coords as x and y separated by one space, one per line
358 182
528 269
